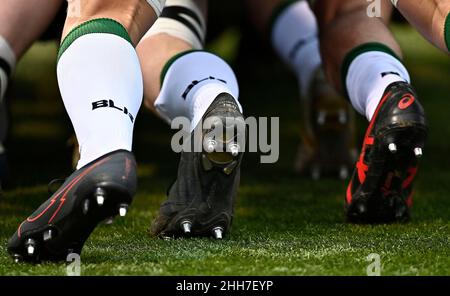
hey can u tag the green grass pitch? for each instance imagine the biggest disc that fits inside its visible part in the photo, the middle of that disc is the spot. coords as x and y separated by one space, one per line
284 225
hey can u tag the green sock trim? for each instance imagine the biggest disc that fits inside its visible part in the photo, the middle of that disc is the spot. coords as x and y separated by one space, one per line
276 14
172 60
447 32
359 50
101 25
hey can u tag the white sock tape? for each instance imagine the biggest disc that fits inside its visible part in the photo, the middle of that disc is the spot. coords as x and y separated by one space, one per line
182 19
157 5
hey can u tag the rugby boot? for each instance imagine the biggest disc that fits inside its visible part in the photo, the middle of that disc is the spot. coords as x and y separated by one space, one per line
327 147
60 226
201 200
381 187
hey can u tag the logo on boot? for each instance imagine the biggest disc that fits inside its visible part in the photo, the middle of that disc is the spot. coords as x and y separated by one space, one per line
406 102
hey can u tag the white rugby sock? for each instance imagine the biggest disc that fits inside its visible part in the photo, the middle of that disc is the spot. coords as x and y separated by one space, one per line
191 83
7 65
101 85
368 76
295 38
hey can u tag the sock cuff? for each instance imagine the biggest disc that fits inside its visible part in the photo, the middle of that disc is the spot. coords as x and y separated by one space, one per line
172 60
447 31
357 51
277 12
101 25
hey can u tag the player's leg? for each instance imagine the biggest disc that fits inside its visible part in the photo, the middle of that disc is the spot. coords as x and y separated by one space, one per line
345 25
293 32
181 80
327 121
100 81
360 51
430 17
21 23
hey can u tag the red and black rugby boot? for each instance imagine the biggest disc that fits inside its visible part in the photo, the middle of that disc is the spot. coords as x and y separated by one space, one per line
381 187
60 226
